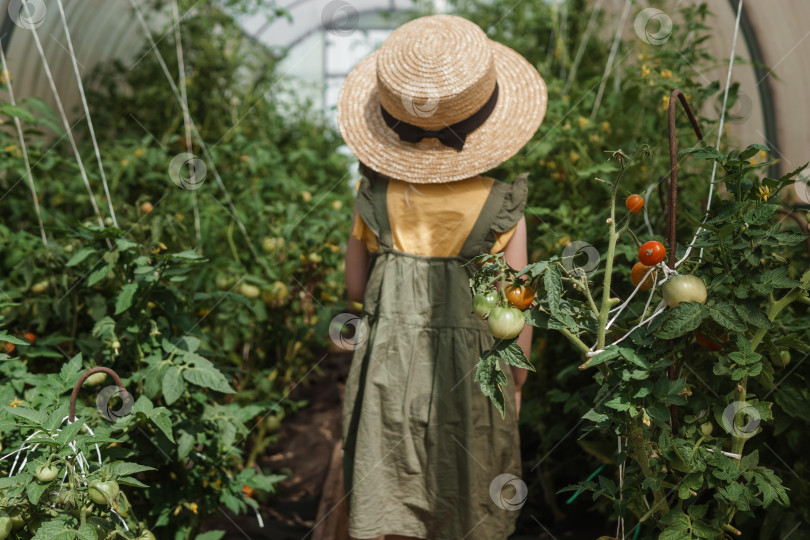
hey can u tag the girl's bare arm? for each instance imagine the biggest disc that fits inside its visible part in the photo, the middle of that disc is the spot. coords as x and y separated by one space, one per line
356 266
516 255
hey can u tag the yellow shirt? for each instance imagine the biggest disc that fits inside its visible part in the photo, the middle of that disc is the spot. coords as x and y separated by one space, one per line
413 210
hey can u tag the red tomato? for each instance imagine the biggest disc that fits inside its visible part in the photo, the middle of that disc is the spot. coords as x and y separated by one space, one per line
637 274
711 343
520 296
634 203
652 253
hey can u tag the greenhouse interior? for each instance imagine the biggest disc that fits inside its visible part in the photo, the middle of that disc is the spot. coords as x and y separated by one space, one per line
404 269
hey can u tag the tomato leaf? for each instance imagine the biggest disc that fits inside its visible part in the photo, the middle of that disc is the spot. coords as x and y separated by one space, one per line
553 283
680 320
489 375
726 316
512 354
124 300
173 385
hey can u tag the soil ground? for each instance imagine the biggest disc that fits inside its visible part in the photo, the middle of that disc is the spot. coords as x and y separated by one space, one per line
303 451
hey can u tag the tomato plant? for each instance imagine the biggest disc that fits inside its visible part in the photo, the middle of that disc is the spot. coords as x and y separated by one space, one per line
664 421
651 253
634 203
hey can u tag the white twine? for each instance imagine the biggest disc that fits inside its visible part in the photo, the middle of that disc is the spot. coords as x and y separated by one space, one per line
87 112
23 148
719 133
582 43
65 121
613 50
197 135
181 67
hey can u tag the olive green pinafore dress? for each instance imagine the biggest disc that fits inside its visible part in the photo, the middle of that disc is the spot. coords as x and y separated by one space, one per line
421 443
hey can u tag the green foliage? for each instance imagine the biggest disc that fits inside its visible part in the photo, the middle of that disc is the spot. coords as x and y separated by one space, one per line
205 357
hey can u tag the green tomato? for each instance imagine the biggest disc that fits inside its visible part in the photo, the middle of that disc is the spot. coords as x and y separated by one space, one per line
17 521
46 473
104 529
706 429
76 511
272 423
95 379
146 535
5 525
224 282
484 302
103 492
782 360
505 322
250 291
684 288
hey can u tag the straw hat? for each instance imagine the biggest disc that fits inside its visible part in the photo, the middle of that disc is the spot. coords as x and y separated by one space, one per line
439 102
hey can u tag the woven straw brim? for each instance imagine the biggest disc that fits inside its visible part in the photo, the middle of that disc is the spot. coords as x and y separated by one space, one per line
522 99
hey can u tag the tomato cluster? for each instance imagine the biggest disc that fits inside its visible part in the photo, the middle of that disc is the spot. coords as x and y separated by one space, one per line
504 321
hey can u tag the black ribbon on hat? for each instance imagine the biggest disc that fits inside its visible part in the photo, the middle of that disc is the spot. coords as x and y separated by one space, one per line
454 135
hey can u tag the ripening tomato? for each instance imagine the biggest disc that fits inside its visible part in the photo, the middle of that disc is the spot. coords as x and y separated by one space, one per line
520 296
713 343
9 348
505 322
484 302
684 288
637 274
652 253
634 203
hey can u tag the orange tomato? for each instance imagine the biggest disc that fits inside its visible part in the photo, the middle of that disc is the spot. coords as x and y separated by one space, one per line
9 348
637 274
248 491
30 336
520 296
634 203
